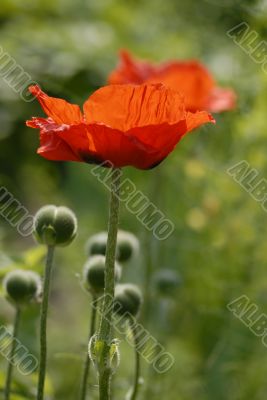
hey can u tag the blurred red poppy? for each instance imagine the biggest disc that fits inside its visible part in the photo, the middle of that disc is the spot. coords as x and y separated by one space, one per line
125 125
190 78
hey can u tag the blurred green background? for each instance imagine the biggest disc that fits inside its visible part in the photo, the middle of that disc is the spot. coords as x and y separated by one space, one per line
219 244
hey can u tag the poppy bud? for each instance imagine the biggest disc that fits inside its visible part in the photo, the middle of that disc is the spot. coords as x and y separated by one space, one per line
166 281
128 299
94 274
97 244
55 226
127 245
22 286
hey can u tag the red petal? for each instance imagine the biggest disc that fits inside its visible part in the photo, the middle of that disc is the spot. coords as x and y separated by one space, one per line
158 137
194 120
124 107
221 99
97 143
189 78
52 146
130 71
59 110
127 125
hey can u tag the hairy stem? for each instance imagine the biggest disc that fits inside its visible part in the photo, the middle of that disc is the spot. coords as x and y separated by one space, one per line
105 329
11 356
43 323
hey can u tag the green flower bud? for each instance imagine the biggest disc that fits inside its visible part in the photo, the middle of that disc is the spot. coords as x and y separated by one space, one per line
94 274
167 281
97 244
127 245
55 226
128 299
22 286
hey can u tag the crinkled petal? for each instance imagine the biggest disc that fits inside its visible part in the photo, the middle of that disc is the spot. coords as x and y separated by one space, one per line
59 110
124 125
52 147
124 107
191 78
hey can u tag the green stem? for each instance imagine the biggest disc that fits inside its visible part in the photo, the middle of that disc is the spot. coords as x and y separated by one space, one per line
105 329
11 361
87 363
134 390
43 323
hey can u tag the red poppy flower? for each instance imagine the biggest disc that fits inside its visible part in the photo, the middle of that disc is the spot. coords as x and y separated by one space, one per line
190 78
137 125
